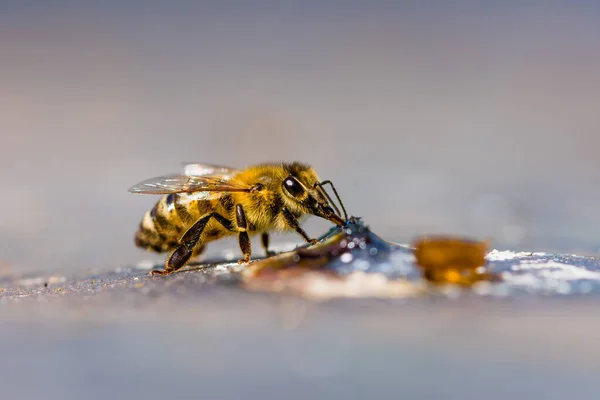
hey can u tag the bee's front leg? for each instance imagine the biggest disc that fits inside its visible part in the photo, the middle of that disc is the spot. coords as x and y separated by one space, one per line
293 223
244 239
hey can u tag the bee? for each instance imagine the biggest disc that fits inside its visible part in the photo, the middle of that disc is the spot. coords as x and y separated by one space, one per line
208 202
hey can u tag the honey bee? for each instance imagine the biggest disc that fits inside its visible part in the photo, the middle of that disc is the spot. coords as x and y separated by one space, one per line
208 202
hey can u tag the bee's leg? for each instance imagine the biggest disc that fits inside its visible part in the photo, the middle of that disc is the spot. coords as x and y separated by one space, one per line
265 242
184 251
244 239
293 223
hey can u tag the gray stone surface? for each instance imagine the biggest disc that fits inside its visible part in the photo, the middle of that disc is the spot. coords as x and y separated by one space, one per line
125 334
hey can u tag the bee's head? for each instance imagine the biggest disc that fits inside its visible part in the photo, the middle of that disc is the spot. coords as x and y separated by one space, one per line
303 192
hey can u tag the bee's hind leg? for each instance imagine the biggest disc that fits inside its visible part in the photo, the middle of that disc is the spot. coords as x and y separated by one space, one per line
196 253
186 247
265 242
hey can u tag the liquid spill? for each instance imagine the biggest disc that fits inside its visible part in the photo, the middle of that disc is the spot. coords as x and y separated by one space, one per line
352 261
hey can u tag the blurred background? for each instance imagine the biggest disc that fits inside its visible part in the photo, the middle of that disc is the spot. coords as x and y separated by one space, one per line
474 118
477 118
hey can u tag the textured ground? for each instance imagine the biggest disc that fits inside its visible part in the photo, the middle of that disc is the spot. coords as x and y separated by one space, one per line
199 333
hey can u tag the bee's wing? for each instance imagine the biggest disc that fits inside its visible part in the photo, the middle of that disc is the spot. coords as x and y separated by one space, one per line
204 169
186 184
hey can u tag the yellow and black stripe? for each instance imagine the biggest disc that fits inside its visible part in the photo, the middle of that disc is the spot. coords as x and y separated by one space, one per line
163 226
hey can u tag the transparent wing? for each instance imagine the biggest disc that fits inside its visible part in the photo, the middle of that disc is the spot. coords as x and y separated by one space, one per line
186 184
204 169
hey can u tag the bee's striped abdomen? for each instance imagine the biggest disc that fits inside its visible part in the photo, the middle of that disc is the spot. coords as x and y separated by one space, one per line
183 210
174 214
164 215
161 227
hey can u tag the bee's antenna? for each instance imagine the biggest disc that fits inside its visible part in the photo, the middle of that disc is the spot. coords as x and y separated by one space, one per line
321 184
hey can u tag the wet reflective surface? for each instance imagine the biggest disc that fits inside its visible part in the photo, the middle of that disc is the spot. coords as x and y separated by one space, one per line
354 251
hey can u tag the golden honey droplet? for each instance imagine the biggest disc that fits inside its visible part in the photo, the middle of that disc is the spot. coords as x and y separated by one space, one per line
451 259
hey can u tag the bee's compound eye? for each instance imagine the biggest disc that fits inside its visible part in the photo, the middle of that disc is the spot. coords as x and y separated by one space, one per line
293 186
